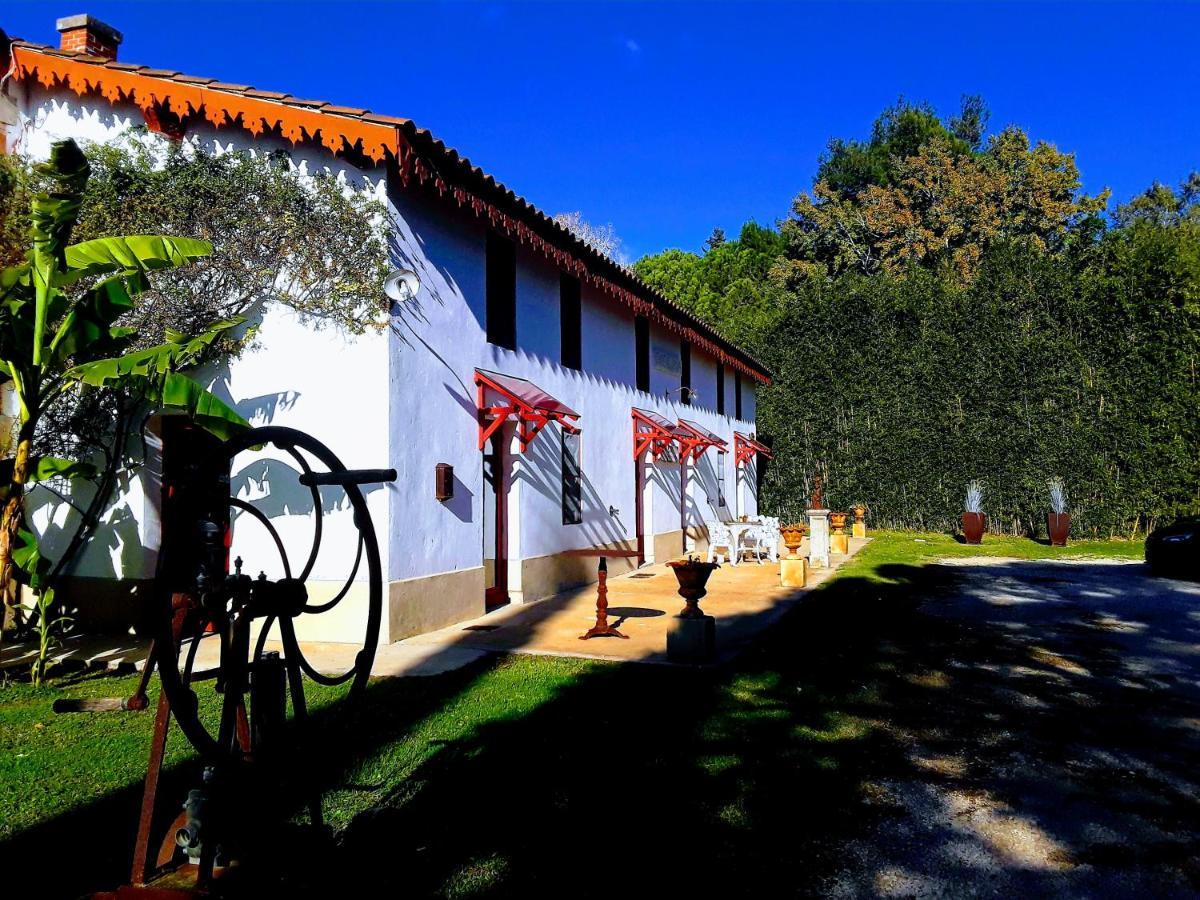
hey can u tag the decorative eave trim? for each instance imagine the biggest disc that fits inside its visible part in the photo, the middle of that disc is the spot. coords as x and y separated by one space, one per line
338 134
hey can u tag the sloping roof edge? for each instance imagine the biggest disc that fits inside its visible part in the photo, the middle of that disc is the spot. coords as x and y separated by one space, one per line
348 131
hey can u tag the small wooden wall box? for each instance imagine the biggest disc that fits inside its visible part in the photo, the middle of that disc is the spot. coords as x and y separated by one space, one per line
443 482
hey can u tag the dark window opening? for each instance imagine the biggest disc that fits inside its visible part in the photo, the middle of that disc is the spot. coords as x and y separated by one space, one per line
570 311
501 291
685 373
572 480
641 331
720 388
737 395
721 481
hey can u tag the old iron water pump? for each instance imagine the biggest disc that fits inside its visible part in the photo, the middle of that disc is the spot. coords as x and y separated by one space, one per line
201 842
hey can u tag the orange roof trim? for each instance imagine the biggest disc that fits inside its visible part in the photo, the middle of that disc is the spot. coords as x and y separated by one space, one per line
118 83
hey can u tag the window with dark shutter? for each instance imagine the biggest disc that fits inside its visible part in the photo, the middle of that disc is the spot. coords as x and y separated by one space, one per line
501 287
572 480
721 481
737 395
720 388
570 313
641 333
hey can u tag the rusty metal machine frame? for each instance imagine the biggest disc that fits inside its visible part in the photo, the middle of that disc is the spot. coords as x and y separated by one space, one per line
222 606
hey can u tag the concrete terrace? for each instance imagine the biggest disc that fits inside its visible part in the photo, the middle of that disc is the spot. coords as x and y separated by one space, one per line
744 600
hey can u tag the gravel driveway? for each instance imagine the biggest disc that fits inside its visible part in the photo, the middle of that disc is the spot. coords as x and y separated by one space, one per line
1055 751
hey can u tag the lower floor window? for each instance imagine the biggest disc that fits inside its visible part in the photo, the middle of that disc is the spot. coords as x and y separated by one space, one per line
572 480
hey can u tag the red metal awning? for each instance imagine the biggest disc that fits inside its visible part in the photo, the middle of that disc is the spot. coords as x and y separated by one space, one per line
503 397
695 439
744 449
653 432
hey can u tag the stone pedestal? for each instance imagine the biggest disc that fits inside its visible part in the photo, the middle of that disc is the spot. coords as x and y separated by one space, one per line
793 572
859 530
839 542
818 538
692 640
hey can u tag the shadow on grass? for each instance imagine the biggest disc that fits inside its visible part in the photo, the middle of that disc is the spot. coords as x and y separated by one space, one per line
902 733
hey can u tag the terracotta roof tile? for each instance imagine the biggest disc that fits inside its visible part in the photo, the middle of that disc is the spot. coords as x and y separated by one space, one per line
346 111
266 95
232 88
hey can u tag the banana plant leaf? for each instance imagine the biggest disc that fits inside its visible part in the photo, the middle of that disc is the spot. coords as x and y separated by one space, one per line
176 353
136 253
43 468
27 556
89 324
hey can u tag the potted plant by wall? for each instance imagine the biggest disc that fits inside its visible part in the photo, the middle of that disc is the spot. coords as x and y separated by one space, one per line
692 574
973 518
1058 521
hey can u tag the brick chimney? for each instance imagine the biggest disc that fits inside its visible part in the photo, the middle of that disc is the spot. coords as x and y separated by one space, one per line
85 34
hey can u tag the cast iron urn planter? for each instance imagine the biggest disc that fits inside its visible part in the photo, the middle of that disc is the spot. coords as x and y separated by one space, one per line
1059 526
692 574
793 537
972 523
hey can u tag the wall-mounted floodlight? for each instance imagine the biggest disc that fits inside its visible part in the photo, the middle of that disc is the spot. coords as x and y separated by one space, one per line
686 394
401 285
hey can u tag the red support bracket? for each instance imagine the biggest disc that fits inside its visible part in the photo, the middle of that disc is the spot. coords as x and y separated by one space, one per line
695 439
652 432
501 398
746 448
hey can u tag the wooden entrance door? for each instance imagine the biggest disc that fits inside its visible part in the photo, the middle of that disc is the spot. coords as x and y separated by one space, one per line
496 583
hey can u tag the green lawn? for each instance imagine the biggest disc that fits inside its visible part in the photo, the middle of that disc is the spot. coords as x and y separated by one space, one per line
531 775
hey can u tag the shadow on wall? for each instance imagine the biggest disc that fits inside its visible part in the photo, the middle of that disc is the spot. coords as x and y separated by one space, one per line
542 472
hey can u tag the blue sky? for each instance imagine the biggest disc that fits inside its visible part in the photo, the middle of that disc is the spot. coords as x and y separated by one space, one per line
668 119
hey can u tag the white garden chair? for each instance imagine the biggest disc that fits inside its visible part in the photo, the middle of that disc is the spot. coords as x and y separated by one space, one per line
719 535
758 542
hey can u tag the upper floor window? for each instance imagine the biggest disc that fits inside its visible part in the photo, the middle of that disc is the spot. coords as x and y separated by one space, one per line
570 314
501 290
720 389
641 334
737 395
685 373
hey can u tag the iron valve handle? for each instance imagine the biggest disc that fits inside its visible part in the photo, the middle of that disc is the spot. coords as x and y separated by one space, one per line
348 476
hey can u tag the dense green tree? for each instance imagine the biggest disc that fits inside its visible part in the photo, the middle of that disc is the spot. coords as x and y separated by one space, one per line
947 305
729 286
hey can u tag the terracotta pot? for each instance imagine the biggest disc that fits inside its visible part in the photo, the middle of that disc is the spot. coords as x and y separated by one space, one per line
837 520
793 537
692 575
1059 526
860 513
972 524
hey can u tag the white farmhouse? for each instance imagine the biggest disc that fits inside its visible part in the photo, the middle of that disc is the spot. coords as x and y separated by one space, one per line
574 406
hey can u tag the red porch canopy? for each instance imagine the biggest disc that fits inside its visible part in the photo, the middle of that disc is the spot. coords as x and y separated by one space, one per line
653 432
695 439
744 449
503 397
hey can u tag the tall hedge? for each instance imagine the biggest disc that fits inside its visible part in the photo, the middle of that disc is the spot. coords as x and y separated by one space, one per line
1083 365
